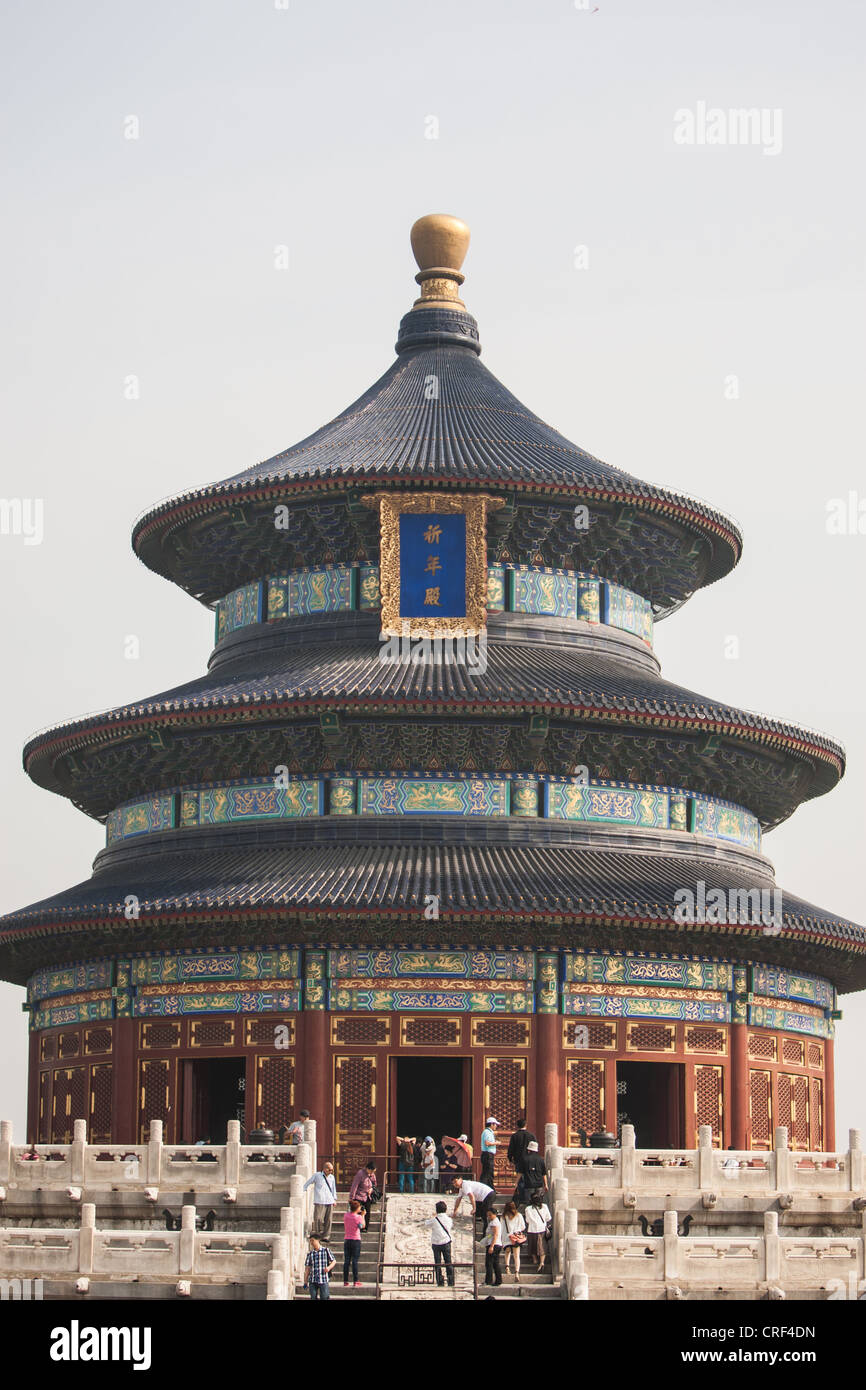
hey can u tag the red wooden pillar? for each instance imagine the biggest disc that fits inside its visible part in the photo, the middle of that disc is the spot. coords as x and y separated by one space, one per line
33 1135
548 1107
829 1098
739 1137
314 1091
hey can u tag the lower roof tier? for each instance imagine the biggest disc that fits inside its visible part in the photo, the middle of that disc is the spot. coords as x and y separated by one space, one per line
390 893
529 706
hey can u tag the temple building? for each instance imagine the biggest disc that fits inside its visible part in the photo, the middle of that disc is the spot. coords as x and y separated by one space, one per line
433 838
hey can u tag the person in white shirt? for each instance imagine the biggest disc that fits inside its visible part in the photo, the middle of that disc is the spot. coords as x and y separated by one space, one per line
429 1165
513 1236
324 1197
441 1227
475 1193
492 1240
537 1220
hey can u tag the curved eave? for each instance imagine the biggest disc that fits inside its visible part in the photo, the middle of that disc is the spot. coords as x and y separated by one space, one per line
524 894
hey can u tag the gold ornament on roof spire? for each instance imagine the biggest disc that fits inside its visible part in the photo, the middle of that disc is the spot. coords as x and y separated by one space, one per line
439 245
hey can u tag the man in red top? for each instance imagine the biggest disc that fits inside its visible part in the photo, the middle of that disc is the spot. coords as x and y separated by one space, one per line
362 1189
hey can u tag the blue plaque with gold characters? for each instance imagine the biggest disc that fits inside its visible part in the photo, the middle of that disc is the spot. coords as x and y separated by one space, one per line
433 565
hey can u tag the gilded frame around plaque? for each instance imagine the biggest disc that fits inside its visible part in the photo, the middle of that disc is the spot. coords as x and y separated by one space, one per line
474 506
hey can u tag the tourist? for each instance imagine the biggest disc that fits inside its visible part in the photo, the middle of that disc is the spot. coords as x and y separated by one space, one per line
406 1162
296 1129
533 1178
479 1196
517 1144
353 1225
513 1236
429 1165
538 1220
317 1267
440 1236
463 1139
29 1155
324 1197
488 1150
448 1167
492 1241
363 1185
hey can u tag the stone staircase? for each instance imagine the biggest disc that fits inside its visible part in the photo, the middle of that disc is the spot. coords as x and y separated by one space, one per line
368 1257
531 1284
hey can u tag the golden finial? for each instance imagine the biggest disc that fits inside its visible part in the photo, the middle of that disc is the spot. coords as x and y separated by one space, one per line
439 244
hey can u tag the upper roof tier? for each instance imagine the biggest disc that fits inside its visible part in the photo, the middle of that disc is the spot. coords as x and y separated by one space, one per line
439 417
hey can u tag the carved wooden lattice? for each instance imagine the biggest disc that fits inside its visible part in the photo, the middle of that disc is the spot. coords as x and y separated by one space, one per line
505 1098
793 1108
99 1129
706 1040
792 1051
69 1102
44 1120
762 1046
262 1032
48 1046
354 1112
68 1045
585 1098
156 1036
154 1097
651 1037
601 1037
816 1113
501 1032
760 1109
709 1092
97 1040
212 1032
815 1054
361 1029
275 1090
430 1032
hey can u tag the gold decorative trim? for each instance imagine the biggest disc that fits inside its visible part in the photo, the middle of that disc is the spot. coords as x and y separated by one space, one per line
705 1028
277 1021
456 1019
474 507
479 1020
575 1021
338 1020
670 1041
199 1023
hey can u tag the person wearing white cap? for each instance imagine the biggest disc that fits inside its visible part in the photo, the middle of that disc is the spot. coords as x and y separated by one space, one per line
429 1164
488 1150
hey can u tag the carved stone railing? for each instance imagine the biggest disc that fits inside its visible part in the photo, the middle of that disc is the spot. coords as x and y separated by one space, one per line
770 1265
88 1254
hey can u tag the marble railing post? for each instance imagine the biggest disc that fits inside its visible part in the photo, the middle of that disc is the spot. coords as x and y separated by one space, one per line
551 1137
855 1161
86 1238
5 1150
574 1274
672 1246
304 1160
705 1157
281 1248
772 1248
310 1137
627 1158
784 1168
186 1244
154 1154
77 1150
233 1153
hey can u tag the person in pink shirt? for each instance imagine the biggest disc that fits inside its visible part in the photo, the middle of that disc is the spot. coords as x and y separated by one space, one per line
362 1188
353 1225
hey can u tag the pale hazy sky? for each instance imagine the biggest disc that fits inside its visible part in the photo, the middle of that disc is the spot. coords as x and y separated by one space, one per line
307 126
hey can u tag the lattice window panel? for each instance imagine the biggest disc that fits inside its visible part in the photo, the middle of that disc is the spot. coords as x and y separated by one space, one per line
158 1036
68 1045
784 1103
154 1094
762 1047
97 1040
792 1051
816 1113
354 1112
709 1091
585 1098
48 1047
361 1029
505 1090
262 1032
799 1130
69 1102
651 1037
430 1032
212 1032
275 1091
760 1108
706 1040
600 1037
815 1054
99 1128
501 1032
44 1121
